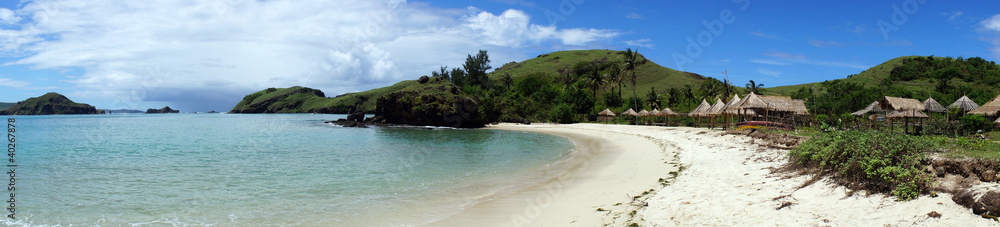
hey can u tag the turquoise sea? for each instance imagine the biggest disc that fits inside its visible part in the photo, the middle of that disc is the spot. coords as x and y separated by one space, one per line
260 170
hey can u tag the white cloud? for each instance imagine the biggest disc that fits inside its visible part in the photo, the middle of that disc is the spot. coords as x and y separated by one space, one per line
140 48
783 55
764 35
953 15
990 32
634 16
769 72
13 83
822 43
640 43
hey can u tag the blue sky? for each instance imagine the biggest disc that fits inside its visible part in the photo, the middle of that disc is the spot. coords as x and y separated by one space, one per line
206 55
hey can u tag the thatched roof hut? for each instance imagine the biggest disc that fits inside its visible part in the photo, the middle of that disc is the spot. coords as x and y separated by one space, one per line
895 104
964 104
990 108
768 103
716 108
606 112
871 108
630 112
697 111
799 107
655 112
932 105
667 112
907 114
643 113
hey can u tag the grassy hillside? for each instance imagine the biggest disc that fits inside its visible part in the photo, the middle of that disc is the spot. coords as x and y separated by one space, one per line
943 78
307 100
648 73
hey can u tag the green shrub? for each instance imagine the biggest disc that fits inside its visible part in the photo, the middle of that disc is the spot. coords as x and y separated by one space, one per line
563 113
875 161
974 123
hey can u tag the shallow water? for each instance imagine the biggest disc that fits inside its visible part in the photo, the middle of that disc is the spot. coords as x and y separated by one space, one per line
260 169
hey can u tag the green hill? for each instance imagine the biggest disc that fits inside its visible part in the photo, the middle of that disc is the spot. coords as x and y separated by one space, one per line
307 100
648 73
919 77
50 103
5 105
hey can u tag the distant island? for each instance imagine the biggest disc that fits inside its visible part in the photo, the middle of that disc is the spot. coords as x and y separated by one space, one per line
123 111
165 109
48 104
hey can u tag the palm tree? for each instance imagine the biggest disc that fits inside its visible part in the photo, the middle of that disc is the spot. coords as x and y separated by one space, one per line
594 79
754 87
615 77
506 80
710 88
688 94
631 61
728 86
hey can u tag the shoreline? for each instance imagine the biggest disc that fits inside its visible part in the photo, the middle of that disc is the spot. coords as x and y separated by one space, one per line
726 180
591 188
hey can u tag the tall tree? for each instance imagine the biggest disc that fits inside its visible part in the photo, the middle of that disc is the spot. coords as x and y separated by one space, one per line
476 67
754 87
506 80
688 93
594 79
615 77
652 98
631 61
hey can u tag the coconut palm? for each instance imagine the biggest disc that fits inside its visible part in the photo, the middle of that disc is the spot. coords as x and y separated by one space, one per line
628 66
594 79
754 87
506 80
615 76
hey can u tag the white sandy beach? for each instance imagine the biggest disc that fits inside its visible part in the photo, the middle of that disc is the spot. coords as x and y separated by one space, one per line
725 181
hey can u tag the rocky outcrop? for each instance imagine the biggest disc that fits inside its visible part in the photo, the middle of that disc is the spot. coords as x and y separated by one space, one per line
165 109
984 199
50 103
435 103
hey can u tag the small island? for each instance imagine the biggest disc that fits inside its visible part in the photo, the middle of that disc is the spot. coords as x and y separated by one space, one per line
49 104
165 109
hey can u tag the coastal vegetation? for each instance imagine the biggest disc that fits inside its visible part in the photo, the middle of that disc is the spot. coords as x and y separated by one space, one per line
869 160
50 103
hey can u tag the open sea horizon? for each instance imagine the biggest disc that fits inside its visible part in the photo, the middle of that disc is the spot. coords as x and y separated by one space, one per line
260 170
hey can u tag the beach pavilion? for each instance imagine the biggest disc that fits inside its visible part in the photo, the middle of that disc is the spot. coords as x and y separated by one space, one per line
989 109
606 114
965 104
903 108
773 108
932 105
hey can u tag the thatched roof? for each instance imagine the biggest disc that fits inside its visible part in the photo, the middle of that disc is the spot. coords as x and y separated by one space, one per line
655 112
964 104
871 108
630 112
895 103
606 112
667 112
734 100
768 103
697 111
799 107
907 114
989 108
932 105
643 113
716 108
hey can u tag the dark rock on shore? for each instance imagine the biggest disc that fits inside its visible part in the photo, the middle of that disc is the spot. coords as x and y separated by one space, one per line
50 103
165 109
356 117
